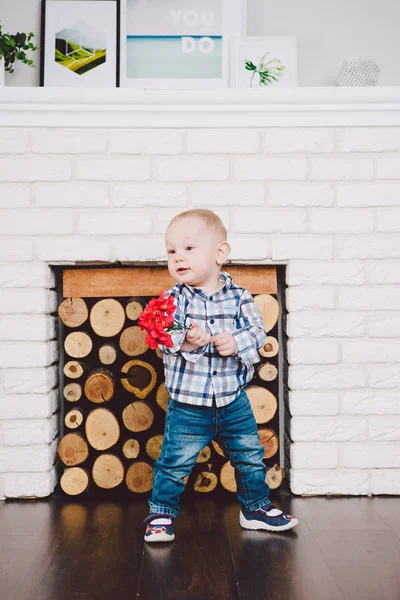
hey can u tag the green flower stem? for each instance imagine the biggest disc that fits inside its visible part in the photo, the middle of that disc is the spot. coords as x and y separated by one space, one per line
178 327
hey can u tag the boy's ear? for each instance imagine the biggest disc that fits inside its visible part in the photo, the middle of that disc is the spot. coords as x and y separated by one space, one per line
223 252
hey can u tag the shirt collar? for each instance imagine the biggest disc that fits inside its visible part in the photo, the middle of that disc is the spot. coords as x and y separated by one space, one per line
191 291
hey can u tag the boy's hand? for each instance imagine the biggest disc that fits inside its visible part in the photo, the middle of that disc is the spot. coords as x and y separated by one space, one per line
225 343
197 336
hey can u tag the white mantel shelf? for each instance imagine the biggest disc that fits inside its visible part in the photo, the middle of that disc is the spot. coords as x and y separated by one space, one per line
121 107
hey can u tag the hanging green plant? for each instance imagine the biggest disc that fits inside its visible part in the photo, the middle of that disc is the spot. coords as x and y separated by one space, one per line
13 47
269 71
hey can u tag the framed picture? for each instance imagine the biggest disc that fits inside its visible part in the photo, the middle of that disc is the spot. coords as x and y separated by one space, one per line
261 62
178 44
79 43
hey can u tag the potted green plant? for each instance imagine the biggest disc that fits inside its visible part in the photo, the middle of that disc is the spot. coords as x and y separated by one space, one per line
13 48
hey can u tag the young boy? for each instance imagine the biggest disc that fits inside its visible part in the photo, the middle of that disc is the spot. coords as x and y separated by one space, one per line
206 371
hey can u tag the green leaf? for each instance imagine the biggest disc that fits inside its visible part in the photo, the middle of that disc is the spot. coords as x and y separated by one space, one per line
13 48
273 61
249 65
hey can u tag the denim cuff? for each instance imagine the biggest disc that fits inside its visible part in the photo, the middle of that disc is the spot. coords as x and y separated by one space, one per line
164 510
256 505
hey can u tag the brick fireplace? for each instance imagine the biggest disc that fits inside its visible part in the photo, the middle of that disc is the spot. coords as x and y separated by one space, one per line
308 180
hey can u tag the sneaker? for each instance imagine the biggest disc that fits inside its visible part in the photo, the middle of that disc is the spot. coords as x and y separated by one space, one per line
267 517
159 528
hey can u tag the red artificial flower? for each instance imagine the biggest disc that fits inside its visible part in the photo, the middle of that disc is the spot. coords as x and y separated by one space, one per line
158 319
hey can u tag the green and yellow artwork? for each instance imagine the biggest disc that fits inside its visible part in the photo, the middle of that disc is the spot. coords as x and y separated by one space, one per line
267 71
80 48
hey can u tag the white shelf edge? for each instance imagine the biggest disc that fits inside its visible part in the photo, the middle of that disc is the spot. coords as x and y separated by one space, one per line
118 107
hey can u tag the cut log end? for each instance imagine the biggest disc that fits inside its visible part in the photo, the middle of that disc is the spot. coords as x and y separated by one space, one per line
102 429
137 416
99 386
162 397
269 440
131 448
227 477
263 403
73 369
269 310
217 448
139 378
204 455
107 354
108 471
78 344
132 341
107 317
206 482
139 477
73 449
133 310
73 419
74 481
72 392
153 446
267 372
73 312
270 347
274 477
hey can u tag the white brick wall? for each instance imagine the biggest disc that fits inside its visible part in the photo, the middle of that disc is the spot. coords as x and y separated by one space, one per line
324 201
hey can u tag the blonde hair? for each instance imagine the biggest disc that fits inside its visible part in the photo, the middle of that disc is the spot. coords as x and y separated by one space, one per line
212 221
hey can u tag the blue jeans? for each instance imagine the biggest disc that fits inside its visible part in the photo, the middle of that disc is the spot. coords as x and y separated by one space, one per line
188 429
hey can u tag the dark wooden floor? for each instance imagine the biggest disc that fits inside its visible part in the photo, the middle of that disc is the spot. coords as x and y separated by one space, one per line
65 549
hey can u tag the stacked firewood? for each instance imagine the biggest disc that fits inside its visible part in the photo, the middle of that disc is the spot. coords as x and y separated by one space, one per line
115 401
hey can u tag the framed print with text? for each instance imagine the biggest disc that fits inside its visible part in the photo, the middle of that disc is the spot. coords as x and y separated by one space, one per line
178 44
79 43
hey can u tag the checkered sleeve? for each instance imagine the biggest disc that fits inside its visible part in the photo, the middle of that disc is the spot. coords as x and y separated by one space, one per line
194 355
251 335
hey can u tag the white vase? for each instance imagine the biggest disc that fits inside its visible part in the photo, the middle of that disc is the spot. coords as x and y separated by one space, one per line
2 72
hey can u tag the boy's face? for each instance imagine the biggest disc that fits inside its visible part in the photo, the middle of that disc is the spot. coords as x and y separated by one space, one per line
193 251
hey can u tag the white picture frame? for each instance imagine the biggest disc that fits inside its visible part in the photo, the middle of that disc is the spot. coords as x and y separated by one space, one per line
174 39
79 46
252 49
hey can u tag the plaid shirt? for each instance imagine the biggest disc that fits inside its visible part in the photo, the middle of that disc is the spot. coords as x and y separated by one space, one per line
193 377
